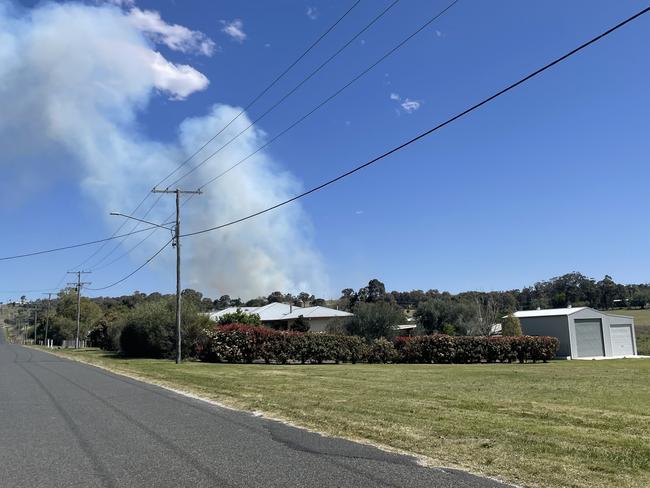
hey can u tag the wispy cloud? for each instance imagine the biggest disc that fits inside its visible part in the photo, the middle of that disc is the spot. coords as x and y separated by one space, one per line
312 13
410 106
407 105
174 36
120 3
235 29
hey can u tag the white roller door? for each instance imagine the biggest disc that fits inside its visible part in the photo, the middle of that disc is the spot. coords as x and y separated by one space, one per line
622 340
589 338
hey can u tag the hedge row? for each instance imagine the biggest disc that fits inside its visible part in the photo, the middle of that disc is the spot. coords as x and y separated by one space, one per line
244 343
238 343
475 349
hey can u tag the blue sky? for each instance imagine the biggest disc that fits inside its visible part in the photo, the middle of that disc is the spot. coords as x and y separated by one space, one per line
548 179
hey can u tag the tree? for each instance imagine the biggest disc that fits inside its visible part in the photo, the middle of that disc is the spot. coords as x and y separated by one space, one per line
434 314
510 326
374 320
66 312
222 302
192 297
487 315
301 324
240 317
150 330
608 292
376 291
256 302
304 299
641 298
275 297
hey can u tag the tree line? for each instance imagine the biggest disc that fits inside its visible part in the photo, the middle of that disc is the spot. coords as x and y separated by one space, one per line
376 311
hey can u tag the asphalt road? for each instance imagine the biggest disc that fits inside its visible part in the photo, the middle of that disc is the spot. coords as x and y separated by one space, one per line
65 424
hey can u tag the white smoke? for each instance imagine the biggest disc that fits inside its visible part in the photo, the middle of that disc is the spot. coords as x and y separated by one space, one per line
73 80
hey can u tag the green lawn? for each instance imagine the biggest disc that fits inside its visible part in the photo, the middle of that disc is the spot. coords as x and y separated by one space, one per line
566 423
641 327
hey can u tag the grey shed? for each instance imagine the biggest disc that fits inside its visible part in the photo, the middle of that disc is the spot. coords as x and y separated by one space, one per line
583 332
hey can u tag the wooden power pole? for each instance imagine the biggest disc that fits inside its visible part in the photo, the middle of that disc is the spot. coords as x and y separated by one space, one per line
47 317
177 242
78 285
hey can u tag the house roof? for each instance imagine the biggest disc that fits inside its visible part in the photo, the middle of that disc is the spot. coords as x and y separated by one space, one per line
283 311
554 312
549 312
406 326
316 312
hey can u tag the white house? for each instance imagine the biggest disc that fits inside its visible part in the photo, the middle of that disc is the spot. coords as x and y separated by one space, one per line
282 315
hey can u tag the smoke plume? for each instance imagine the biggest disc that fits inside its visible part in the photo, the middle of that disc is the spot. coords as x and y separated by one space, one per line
74 79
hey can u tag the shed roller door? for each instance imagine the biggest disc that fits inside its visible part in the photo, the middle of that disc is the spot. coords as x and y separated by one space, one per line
589 338
622 340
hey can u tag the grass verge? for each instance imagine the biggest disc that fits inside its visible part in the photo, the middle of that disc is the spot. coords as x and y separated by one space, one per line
566 423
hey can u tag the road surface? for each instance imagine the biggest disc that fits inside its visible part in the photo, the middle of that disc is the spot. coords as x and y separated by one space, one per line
65 424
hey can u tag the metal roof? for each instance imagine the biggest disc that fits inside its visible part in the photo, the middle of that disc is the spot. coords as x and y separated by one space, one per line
550 312
282 311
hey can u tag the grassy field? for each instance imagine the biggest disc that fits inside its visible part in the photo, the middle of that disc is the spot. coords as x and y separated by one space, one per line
641 327
566 423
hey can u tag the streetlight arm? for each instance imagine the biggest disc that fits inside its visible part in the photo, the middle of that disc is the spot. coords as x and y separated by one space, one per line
140 220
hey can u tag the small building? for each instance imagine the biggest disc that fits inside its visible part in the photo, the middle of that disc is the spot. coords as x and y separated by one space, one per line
281 315
583 332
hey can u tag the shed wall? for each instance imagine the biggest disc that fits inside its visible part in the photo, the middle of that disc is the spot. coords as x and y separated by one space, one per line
554 326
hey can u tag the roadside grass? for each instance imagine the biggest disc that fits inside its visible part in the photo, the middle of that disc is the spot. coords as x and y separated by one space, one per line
566 423
641 327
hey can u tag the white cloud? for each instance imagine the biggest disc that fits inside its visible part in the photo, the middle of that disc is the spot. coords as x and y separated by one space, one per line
174 36
235 29
410 106
90 73
312 13
180 80
121 3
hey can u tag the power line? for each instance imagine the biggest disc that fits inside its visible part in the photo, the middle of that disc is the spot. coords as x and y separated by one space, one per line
73 246
262 93
376 159
134 271
322 103
248 105
405 144
135 226
429 131
290 92
331 97
126 253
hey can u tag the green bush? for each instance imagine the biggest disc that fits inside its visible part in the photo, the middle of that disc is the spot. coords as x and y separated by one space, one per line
510 326
237 343
107 332
240 317
381 351
150 330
